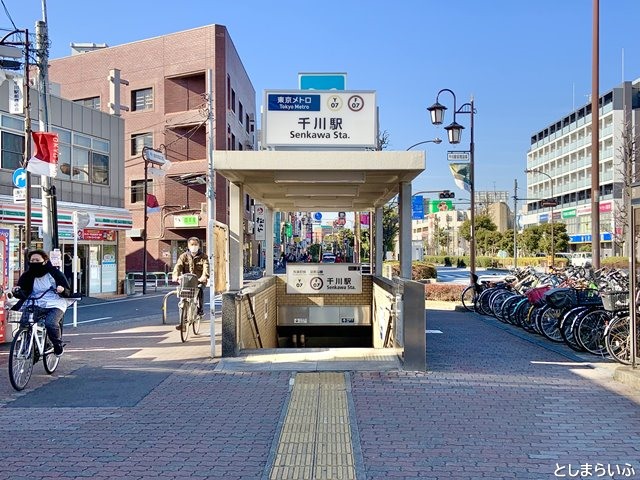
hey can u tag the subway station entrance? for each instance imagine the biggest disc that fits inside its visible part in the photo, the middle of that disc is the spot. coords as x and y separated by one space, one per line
318 305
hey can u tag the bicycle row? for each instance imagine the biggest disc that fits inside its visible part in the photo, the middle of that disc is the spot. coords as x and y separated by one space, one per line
588 310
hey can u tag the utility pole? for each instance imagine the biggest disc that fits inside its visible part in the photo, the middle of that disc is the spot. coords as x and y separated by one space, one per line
595 137
515 223
27 150
49 222
211 211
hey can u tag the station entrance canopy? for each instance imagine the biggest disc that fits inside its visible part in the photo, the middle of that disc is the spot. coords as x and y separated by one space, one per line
320 180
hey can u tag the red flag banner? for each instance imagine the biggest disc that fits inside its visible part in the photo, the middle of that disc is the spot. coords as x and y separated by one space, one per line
45 158
152 204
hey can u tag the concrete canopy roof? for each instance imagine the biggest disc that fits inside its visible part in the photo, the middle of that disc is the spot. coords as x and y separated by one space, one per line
320 180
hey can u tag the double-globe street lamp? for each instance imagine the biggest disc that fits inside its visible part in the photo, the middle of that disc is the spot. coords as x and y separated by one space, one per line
454 133
551 203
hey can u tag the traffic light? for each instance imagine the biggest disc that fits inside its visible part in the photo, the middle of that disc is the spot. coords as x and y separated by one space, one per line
447 194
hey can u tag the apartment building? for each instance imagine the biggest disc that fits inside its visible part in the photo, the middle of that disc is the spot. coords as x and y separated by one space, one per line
164 86
560 162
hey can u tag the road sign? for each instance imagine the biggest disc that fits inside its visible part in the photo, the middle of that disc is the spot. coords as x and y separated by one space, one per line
153 156
19 195
417 207
20 177
549 203
322 81
458 156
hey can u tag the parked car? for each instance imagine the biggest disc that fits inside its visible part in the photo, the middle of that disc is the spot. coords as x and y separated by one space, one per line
582 259
328 258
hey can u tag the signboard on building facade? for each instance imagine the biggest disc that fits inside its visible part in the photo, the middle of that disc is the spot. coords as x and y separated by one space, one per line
324 278
186 221
259 222
320 118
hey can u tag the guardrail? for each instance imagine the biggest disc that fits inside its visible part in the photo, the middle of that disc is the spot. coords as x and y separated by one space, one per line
154 279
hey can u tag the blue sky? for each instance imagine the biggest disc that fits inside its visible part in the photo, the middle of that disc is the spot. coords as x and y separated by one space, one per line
526 63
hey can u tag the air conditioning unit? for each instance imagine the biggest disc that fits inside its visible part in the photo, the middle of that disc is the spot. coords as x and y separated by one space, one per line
135 233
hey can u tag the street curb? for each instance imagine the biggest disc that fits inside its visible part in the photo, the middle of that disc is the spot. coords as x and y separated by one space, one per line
625 374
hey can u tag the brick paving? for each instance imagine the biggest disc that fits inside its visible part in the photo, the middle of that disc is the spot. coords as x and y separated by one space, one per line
492 405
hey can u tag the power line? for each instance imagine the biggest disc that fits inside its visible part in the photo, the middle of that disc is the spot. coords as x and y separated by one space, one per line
8 15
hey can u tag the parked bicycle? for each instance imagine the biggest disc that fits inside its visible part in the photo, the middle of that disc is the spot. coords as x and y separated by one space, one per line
187 293
30 343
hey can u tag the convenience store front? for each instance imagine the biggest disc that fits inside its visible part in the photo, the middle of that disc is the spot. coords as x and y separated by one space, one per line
99 253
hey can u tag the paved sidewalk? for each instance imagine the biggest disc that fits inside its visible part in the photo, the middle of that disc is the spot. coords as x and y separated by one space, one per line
135 403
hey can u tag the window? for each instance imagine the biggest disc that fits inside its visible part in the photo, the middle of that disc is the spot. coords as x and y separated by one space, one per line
80 165
137 190
142 99
82 158
99 168
233 100
91 102
139 141
240 112
246 123
12 150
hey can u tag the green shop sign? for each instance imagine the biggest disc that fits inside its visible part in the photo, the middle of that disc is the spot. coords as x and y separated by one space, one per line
569 213
186 221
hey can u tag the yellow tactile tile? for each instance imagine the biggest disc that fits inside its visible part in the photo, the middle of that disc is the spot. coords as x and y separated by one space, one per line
315 440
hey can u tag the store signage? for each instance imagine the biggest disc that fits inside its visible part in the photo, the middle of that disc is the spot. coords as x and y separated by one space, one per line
99 235
259 222
417 207
326 119
571 213
186 221
342 278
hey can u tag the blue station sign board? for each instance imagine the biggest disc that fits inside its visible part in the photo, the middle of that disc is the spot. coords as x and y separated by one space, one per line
293 102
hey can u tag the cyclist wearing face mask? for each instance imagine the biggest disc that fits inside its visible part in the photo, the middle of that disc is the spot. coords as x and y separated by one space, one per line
196 262
37 280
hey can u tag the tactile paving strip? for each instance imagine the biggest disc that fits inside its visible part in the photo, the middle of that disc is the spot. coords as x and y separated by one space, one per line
315 441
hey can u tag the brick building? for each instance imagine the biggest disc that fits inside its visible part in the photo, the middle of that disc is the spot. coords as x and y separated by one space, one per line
164 85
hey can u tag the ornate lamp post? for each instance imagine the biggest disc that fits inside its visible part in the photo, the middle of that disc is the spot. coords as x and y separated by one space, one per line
454 133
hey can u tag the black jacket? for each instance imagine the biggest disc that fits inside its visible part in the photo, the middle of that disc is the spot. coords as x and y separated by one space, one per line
25 285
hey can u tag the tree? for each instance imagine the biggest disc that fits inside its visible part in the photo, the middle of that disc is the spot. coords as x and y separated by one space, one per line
390 228
627 160
483 222
365 244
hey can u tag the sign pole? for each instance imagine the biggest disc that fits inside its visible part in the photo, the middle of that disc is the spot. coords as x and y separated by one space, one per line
75 266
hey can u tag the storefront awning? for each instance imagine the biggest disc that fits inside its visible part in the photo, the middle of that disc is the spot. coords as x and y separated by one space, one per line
109 218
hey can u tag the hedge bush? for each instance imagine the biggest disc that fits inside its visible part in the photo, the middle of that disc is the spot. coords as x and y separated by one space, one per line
419 270
615 262
444 292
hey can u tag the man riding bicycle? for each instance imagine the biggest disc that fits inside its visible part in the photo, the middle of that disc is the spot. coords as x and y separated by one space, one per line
196 262
43 279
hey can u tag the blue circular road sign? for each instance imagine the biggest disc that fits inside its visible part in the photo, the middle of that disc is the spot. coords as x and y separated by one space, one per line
317 216
20 178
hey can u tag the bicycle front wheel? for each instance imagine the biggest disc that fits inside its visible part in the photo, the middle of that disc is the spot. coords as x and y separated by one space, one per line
184 322
49 359
469 298
20 360
618 340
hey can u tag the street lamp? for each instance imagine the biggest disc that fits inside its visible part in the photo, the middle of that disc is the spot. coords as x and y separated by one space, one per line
552 204
454 133
436 140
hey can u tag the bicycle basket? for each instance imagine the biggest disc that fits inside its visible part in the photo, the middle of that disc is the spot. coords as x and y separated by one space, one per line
536 295
560 297
613 301
588 296
188 286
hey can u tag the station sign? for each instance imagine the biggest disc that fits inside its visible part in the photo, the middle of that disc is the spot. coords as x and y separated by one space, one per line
308 118
324 278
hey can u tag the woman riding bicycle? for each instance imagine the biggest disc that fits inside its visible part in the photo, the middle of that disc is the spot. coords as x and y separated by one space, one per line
44 279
